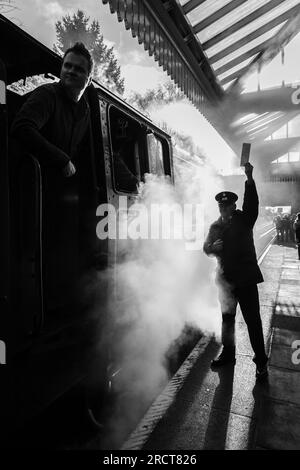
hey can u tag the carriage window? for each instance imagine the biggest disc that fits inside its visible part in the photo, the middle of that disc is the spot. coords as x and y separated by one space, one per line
125 135
155 151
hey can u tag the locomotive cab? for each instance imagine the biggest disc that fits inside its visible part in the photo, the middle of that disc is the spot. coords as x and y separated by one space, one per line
54 290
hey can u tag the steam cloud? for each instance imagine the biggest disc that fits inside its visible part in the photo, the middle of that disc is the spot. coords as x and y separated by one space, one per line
160 288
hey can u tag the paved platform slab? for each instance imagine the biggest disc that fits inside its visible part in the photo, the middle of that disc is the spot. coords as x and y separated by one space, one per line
283 419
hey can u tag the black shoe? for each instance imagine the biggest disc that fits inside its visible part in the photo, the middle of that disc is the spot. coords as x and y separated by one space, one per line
223 359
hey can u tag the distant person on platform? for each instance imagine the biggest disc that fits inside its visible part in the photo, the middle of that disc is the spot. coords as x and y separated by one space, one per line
296 228
287 227
54 120
279 227
230 240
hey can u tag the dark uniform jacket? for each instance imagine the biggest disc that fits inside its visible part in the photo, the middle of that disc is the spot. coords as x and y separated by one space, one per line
237 261
297 230
51 126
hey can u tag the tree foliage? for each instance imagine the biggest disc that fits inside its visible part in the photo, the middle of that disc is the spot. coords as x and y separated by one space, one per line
163 94
185 142
78 27
7 7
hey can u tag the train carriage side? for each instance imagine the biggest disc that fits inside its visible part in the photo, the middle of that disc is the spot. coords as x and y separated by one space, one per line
54 289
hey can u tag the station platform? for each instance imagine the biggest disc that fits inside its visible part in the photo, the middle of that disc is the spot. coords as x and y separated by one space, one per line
227 408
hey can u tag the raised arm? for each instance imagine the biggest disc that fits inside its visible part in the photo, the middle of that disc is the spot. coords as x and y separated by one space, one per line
250 203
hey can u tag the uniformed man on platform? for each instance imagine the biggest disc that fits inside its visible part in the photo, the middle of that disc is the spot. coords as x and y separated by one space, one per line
230 240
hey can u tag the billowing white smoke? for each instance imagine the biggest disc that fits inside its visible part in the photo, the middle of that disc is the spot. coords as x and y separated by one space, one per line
161 286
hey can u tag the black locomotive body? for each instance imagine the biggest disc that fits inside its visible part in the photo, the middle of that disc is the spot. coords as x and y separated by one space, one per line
52 261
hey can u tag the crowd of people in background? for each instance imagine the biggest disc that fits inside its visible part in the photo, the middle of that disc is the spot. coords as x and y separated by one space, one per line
288 229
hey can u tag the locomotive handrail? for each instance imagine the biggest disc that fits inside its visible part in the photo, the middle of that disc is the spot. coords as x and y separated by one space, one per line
4 202
38 238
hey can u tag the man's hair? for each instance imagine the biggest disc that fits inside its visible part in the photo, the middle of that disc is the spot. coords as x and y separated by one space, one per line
80 49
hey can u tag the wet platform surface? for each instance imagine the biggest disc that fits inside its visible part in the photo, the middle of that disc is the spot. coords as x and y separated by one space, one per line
228 408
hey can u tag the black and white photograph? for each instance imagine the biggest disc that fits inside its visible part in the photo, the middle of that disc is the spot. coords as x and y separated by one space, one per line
150 229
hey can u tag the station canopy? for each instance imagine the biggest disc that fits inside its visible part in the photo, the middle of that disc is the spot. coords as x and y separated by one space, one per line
210 47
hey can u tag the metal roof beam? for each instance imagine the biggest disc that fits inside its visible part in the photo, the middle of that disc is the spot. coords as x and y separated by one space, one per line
281 39
191 5
288 31
217 15
241 58
250 37
161 28
240 24
242 122
271 126
262 120
271 100
269 121
234 75
272 149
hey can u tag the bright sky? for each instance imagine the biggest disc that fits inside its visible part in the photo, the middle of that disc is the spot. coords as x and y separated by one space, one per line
141 72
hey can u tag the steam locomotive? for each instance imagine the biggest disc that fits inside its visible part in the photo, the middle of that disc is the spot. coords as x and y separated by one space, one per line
53 336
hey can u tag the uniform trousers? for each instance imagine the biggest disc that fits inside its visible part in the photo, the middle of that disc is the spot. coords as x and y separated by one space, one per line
247 298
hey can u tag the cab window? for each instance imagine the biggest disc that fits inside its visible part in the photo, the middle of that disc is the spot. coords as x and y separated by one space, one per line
126 151
155 152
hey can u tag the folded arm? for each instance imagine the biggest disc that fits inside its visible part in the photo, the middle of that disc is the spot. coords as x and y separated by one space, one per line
212 245
32 117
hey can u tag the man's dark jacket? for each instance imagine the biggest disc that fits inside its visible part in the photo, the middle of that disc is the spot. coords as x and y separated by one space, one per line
50 126
237 260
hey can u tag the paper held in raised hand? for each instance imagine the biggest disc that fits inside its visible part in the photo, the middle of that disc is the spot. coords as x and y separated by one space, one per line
245 154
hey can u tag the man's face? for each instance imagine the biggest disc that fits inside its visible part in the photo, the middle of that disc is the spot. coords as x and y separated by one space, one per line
226 210
75 72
